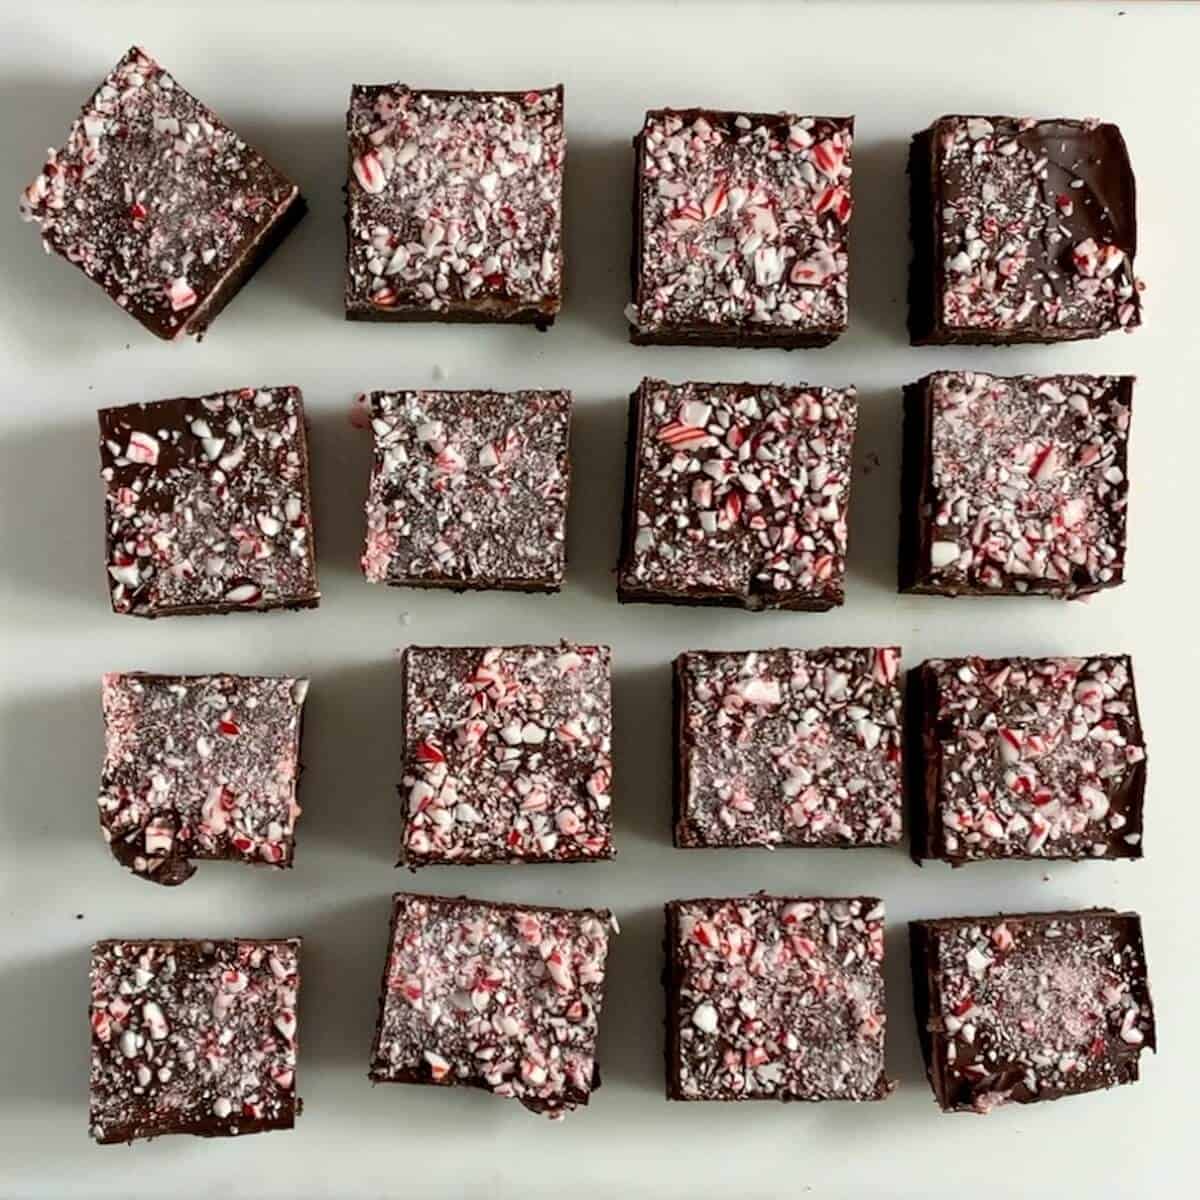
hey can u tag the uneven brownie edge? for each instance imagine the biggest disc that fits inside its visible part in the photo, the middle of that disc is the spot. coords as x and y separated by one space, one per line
250 1115
379 1072
486 309
922 303
924 946
914 484
744 335
673 976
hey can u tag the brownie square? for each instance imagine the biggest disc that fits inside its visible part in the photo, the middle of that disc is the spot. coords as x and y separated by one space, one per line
508 754
200 767
504 997
775 998
207 504
1026 758
454 205
1022 231
1014 485
741 229
788 747
193 1037
737 494
469 490
159 202
1024 1007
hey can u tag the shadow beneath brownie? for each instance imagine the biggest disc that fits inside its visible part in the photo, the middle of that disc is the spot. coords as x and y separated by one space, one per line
630 1047
904 1062
879 249
352 762
597 483
875 492
597 230
340 470
642 750
52 744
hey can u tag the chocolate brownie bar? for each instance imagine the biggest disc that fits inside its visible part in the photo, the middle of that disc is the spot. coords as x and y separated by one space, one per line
775 998
159 202
741 229
1014 485
1026 758
207 504
508 754
737 494
504 997
1024 1007
788 747
200 767
193 1037
454 205
1022 231
469 489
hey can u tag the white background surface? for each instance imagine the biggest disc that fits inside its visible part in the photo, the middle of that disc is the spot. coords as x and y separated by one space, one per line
280 73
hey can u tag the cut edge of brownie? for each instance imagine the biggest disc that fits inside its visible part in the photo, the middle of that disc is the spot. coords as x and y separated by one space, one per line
414 1076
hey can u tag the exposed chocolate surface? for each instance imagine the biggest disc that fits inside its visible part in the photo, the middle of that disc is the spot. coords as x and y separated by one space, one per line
1024 1007
158 201
788 747
1023 231
1027 758
741 227
468 489
1015 485
193 1037
775 998
200 767
508 754
207 504
503 997
454 205
737 494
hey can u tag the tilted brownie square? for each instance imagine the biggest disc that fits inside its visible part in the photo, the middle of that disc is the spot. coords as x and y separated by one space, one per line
468 489
1022 231
454 206
508 754
207 504
503 997
159 202
741 229
775 998
1024 1007
1014 485
200 767
788 747
194 1037
1026 758
737 494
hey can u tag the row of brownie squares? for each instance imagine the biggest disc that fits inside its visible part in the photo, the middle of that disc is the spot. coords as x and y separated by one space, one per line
767 998
1022 230
736 494
507 757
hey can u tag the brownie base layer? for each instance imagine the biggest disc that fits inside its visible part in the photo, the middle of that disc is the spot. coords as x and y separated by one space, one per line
458 586
521 316
742 339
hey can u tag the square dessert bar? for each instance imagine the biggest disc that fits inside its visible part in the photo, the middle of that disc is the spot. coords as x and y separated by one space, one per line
508 754
741 229
468 490
1025 1007
1026 758
737 494
193 1037
454 205
788 747
159 202
207 504
504 997
1022 231
200 767
775 998
1014 485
